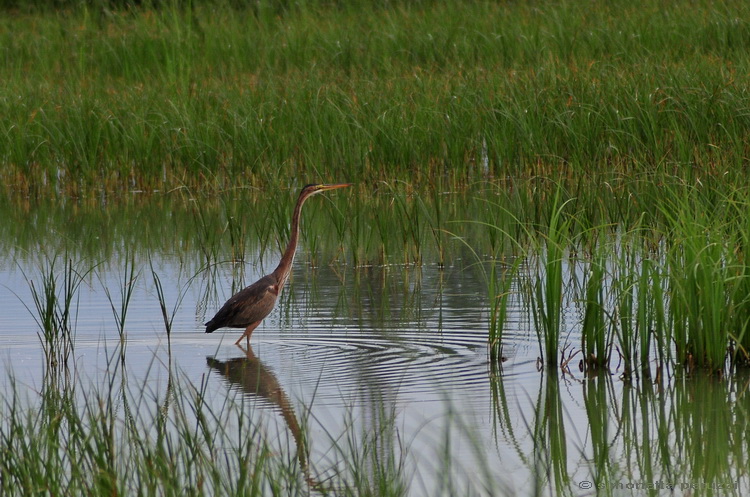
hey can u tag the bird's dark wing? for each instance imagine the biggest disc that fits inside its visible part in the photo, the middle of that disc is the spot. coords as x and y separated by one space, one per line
247 306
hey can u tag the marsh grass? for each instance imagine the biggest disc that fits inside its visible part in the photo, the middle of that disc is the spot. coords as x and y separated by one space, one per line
677 304
55 299
166 316
638 277
84 446
603 110
545 291
741 319
499 295
208 238
372 462
595 340
105 437
670 289
704 281
169 315
499 277
626 304
126 288
214 96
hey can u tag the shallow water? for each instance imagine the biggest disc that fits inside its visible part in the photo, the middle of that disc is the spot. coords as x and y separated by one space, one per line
399 351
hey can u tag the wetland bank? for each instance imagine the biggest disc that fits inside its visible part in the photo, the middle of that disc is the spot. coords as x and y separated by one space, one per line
537 285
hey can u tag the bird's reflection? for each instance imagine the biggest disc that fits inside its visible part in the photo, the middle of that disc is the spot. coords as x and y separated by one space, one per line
254 379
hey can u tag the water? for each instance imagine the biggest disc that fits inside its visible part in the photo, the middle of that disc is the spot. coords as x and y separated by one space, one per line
399 352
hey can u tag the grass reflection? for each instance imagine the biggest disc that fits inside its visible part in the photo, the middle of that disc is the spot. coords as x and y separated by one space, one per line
687 435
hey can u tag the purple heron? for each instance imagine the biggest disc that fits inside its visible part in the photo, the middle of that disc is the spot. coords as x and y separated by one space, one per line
248 307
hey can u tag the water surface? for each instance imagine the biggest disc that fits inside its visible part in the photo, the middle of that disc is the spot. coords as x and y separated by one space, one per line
395 354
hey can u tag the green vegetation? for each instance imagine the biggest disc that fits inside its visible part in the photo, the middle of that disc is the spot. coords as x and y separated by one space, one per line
105 436
441 112
595 346
439 94
178 445
545 291
591 159
55 299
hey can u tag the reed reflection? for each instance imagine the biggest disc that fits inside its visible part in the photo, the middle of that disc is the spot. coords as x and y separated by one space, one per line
692 432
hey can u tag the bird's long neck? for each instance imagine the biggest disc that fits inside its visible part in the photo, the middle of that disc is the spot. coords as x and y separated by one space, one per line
285 264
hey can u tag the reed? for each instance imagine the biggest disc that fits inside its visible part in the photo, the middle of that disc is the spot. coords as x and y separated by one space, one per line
55 300
545 287
179 96
627 305
77 440
650 317
637 313
595 326
701 282
499 292
739 336
129 279
168 315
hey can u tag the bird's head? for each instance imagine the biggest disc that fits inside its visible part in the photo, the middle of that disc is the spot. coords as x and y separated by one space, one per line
310 190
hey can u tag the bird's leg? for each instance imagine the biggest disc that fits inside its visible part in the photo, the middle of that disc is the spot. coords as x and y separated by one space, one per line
248 332
248 352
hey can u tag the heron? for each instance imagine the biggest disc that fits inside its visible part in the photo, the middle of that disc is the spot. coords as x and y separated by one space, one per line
248 307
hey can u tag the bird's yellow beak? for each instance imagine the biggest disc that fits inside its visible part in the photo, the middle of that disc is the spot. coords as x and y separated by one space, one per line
334 186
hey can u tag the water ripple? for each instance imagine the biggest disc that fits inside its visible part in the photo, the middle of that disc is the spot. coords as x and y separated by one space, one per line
411 365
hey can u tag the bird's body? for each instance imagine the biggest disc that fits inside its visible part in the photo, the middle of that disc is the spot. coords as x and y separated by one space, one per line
248 307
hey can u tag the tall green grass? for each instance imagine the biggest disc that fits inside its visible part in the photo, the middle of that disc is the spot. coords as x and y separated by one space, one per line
545 286
120 309
706 281
595 335
441 92
54 295
739 334
440 112
661 287
73 446
669 290
85 439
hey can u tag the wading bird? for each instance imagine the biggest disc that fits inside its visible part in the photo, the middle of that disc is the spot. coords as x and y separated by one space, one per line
248 307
